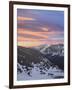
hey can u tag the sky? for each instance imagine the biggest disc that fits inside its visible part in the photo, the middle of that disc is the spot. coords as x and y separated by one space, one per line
38 27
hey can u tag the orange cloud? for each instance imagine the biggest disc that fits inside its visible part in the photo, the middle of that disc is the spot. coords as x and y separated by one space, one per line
21 38
29 44
25 18
24 31
37 43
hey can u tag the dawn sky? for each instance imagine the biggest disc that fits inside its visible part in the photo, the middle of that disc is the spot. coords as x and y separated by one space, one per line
38 27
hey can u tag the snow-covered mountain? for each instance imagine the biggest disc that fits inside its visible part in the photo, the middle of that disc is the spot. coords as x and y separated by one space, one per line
55 53
53 49
36 63
44 46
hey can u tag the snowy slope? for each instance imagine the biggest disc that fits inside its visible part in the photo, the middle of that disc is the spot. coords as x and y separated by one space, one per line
35 64
36 73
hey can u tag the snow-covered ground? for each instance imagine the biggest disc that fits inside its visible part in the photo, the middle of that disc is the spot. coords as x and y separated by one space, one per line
36 74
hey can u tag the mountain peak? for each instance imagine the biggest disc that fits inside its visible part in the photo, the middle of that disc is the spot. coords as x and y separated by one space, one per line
57 49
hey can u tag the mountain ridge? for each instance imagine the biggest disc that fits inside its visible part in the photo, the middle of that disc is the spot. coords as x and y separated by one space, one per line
32 60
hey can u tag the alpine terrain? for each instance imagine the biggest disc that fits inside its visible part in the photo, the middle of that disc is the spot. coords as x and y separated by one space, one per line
42 62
